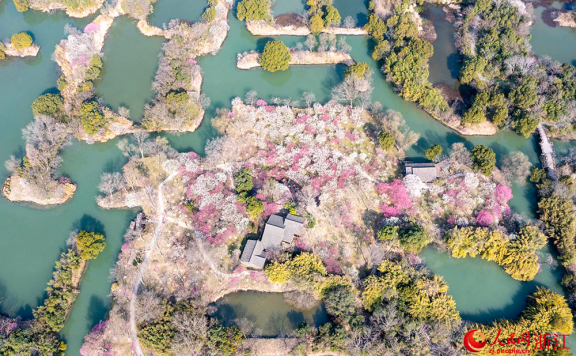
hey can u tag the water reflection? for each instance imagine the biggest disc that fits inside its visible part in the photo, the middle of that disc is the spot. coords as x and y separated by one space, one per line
268 311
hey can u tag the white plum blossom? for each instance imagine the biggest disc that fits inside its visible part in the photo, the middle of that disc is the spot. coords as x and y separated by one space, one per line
471 180
414 185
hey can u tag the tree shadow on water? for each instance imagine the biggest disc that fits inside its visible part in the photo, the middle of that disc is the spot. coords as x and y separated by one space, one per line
96 311
295 318
509 311
277 324
89 223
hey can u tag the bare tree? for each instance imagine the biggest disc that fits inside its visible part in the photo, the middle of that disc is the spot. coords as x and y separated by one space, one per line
308 98
13 163
124 111
251 97
191 333
516 167
311 42
354 90
148 306
349 22
343 45
111 183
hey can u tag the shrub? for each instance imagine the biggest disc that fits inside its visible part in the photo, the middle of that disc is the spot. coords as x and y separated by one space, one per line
473 116
92 118
484 159
376 27
332 16
275 57
21 40
209 15
225 340
22 5
316 24
359 69
537 175
386 140
90 244
278 272
243 181
433 152
254 207
48 104
61 83
340 302
413 239
253 10
388 232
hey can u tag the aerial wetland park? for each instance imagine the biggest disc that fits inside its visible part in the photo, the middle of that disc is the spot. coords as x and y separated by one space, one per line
287 177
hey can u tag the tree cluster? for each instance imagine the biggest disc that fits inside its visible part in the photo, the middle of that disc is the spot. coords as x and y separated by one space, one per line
322 14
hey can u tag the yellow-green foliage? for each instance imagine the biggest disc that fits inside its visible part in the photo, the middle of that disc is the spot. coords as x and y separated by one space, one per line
278 272
253 10
546 312
333 282
518 257
422 296
22 5
359 69
306 267
275 57
21 40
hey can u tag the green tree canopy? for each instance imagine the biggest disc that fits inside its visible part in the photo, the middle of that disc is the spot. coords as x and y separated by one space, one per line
92 118
22 5
414 238
90 244
483 159
433 152
253 10
359 69
316 24
243 181
340 302
388 232
332 16
21 40
48 104
275 57
224 340
386 140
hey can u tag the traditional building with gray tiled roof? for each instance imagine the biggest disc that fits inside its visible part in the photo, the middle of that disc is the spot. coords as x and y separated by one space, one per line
277 230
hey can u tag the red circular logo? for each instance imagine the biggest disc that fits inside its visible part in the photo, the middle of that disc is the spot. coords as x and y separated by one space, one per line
472 345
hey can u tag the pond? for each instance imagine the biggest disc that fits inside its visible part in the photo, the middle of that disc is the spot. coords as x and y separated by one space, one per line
32 238
557 42
269 312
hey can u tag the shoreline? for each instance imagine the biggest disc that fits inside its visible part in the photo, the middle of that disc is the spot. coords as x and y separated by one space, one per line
300 58
263 28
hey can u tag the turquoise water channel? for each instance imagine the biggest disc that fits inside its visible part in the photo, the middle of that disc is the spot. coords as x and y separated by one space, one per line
32 238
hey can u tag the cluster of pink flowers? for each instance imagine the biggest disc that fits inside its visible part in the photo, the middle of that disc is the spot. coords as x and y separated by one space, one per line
91 27
330 256
396 199
217 214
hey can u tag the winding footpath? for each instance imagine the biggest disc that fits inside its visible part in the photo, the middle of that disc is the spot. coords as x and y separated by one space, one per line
142 270
162 218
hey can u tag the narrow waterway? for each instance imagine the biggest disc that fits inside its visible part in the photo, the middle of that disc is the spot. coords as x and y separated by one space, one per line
32 238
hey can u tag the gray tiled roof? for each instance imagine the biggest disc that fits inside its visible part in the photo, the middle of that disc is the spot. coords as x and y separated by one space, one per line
276 231
253 254
292 226
427 172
